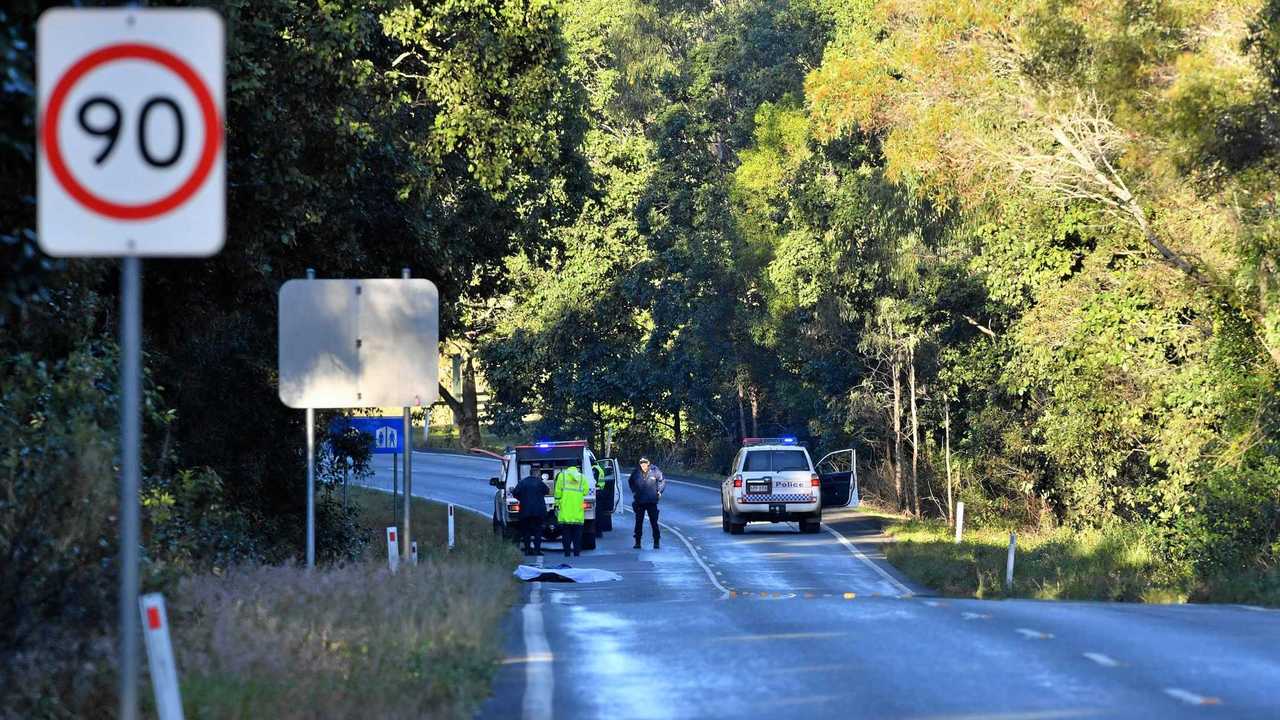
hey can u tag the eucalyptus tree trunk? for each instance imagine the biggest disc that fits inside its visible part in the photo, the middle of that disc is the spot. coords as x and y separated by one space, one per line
755 411
946 440
915 435
896 368
466 412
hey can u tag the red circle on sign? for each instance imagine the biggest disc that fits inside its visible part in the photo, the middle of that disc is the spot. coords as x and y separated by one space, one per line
208 111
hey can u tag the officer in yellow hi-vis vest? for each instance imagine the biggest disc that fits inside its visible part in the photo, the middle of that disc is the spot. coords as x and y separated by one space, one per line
570 494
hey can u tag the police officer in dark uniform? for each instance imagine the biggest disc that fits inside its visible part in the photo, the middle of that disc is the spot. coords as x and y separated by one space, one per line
646 483
531 492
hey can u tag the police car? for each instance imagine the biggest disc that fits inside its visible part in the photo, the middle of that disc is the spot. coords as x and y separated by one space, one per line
545 460
772 480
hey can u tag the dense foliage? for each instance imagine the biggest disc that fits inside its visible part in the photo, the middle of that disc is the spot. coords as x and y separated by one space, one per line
1020 253
361 138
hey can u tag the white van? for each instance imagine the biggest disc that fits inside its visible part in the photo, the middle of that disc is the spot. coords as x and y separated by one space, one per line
545 459
772 480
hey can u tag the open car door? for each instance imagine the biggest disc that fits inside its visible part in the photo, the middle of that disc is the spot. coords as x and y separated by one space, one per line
612 465
838 473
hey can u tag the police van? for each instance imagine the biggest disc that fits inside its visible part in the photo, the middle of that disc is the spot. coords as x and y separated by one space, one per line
544 460
771 480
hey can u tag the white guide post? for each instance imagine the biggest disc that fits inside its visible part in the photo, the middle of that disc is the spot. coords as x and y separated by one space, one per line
393 549
164 673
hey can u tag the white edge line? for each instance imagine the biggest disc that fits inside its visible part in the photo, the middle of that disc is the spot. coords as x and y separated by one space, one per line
724 592
432 498
539 680
1101 659
1189 697
861 556
835 533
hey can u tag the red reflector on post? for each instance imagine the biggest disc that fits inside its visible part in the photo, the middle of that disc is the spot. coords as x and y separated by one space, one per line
393 536
153 618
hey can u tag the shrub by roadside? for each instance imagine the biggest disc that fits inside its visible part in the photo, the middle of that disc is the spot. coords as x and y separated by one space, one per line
1061 564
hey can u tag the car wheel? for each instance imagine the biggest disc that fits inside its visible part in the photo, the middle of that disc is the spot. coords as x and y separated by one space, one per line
737 528
724 520
810 526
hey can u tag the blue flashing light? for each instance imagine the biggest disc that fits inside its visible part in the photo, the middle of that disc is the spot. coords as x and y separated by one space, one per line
544 445
788 441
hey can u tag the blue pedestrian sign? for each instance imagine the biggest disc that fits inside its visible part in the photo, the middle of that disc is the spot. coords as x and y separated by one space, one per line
387 432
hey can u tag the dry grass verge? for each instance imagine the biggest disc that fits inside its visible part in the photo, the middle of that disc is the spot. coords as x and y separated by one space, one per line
1060 564
354 640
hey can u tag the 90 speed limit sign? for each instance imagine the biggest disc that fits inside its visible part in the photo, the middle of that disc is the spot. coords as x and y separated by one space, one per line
130 137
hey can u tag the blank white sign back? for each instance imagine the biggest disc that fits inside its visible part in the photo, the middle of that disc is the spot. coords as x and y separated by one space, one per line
359 343
130 145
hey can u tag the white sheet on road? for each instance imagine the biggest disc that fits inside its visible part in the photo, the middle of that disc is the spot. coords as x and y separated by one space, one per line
565 574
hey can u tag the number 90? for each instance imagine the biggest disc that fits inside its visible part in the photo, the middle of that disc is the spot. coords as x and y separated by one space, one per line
111 130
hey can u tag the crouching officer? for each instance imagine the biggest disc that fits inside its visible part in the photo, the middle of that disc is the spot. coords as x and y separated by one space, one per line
571 491
531 492
647 484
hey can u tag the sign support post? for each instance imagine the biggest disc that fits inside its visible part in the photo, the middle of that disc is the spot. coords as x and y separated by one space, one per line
311 474
395 484
158 190
405 530
130 472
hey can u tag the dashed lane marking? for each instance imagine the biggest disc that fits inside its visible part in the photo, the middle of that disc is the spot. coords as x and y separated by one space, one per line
1191 698
975 616
1034 634
933 603
1101 659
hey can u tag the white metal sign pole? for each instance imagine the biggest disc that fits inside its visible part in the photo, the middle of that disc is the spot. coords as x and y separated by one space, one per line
130 437
164 673
157 189
406 530
311 474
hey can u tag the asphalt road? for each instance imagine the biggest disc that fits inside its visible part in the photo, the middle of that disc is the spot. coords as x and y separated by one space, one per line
777 623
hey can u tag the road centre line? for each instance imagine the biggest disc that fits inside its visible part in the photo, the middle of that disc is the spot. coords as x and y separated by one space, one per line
724 591
1034 634
1191 698
834 533
1101 659
975 616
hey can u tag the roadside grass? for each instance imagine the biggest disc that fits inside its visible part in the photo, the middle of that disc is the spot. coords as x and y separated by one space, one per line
1057 564
352 640
429 524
